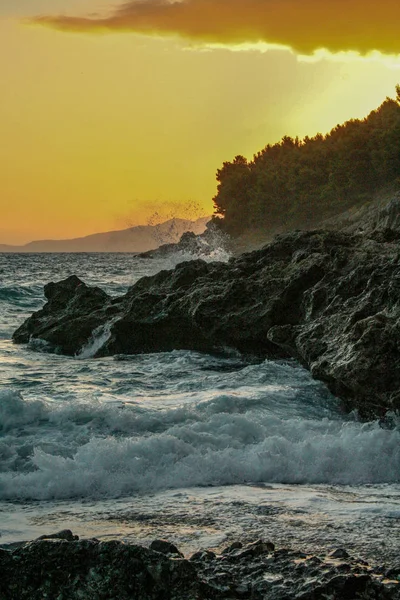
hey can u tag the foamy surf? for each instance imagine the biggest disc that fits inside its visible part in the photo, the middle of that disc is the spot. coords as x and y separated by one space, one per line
112 449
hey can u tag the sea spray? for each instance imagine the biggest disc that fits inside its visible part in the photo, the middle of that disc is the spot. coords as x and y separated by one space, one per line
99 337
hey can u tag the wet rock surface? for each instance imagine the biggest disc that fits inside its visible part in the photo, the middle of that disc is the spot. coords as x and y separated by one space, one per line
189 242
66 322
329 299
56 567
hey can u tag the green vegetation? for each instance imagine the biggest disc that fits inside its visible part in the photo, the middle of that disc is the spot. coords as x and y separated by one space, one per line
297 183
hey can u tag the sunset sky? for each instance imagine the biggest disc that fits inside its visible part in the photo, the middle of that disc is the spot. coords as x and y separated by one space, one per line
112 111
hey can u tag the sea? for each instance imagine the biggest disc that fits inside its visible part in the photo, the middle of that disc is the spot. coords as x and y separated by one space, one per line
198 449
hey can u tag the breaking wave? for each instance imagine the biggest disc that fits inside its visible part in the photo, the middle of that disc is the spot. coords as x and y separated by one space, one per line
97 449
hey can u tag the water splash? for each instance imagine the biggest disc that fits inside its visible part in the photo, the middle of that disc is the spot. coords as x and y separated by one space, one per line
211 246
99 337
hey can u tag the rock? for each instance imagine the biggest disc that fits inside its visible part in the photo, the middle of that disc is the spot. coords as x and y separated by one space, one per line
339 553
343 588
203 555
252 550
259 546
191 244
93 570
393 573
65 534
73 311
165 547
234 546
329 299
188 243
58 568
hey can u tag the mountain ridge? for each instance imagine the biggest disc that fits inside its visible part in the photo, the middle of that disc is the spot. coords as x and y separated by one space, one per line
140 238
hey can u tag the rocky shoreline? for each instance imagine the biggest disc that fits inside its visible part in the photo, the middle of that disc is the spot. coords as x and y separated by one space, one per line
329 299
62 566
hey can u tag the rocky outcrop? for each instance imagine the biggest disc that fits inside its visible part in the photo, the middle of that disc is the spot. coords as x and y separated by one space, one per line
329 299
68 568
190 244
72 312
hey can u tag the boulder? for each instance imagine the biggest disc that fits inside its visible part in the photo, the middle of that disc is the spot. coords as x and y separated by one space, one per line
66 322
54 568
329 299
165 547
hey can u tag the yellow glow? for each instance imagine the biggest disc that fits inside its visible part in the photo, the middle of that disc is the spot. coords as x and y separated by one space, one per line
97 131
392 61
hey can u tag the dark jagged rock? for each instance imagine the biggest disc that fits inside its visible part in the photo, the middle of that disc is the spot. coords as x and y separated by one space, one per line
55 568
95 570
72 312
329 299
203 555
234 546
65 534
165 547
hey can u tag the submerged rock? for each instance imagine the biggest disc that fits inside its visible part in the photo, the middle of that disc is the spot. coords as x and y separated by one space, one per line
55 568
329 299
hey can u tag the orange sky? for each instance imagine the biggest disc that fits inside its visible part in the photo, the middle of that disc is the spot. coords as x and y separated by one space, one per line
100 131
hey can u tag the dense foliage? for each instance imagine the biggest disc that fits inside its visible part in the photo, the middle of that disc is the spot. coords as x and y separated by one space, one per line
295 183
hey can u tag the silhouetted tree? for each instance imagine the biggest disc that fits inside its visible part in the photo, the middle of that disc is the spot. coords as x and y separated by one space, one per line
289 183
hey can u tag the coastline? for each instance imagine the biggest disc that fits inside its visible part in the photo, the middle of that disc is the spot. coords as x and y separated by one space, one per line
327 299
60 565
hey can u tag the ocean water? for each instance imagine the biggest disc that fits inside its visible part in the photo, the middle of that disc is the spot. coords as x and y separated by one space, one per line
199 449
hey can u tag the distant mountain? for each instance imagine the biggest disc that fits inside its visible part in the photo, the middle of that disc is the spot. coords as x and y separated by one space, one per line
134 239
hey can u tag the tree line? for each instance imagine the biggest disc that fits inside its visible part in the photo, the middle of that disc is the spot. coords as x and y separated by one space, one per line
295 183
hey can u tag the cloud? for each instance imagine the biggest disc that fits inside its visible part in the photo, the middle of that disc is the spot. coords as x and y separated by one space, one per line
304 25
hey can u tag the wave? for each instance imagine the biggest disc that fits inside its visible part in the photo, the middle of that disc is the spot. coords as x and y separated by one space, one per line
211 246
22 295
97 449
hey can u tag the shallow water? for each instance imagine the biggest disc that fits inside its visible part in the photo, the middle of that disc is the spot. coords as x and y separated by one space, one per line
196 448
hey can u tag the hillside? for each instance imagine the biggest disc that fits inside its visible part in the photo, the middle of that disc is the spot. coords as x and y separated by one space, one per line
300 184
134 239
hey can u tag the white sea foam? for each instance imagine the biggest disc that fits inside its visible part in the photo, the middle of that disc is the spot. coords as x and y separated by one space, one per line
15 412
213 248
99 337
110 450
215 255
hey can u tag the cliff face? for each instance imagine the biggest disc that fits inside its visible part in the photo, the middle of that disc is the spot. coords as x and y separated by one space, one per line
329 299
